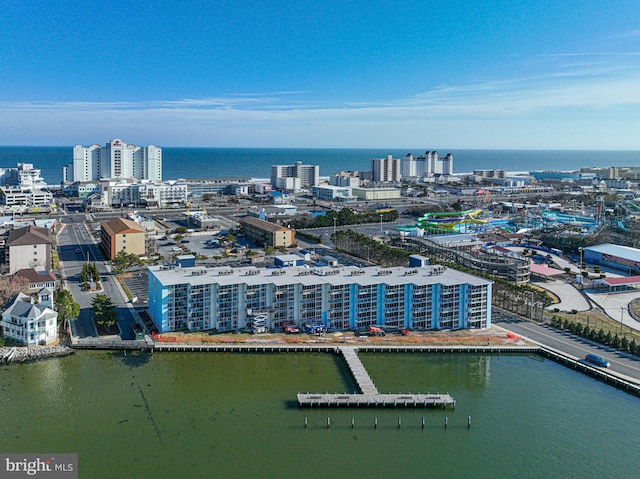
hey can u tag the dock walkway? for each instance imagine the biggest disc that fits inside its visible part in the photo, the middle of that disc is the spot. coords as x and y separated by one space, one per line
360 374
369 395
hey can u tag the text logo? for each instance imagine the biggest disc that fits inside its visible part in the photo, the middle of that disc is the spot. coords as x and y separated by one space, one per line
50 466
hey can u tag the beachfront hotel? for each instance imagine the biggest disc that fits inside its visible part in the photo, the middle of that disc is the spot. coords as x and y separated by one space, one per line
343 297
116 159
427 165
294 177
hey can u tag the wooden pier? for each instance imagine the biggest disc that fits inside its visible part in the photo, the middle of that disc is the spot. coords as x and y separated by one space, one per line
369 395
360 374
375 400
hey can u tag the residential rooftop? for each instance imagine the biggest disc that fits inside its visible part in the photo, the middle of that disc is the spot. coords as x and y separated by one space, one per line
251 275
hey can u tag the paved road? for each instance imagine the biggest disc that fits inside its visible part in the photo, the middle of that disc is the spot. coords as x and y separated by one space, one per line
567 343
75 237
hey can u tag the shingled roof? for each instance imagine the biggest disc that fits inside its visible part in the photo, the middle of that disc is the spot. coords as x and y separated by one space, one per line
29 235
117 226
33 276
265 225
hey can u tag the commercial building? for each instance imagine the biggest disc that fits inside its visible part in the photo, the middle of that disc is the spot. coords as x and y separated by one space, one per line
116 159
272 211
622 258
432 297
294 177
198 187
266 233
376 194
119 234
29 323
332 193
81 189
27 197
28 247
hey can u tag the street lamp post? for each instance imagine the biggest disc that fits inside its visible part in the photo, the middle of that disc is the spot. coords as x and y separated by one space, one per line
621 318
380 224
334 225
580 266
531 307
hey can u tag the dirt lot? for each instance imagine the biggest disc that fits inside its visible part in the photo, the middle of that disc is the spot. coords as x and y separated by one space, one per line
492 336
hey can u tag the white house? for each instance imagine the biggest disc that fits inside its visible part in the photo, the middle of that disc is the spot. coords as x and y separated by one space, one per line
29 323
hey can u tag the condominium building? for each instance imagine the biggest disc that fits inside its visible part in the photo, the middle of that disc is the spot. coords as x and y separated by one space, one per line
149 194
116 159
24 186
350 179
119 234
25 176
386 169
266 233
428 165
294 177
430 297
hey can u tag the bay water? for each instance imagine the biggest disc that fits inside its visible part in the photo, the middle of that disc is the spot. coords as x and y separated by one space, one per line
225 415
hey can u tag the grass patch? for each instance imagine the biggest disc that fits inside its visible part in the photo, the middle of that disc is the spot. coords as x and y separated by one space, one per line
596 320
124 287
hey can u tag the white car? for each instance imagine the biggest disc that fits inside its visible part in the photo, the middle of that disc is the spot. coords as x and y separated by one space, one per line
176 248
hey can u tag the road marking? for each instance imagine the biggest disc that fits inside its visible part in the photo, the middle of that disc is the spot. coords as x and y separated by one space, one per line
576 346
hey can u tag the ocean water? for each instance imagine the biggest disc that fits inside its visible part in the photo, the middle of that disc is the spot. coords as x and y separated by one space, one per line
255 162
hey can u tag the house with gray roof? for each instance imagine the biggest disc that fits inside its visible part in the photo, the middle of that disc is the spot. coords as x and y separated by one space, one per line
29 323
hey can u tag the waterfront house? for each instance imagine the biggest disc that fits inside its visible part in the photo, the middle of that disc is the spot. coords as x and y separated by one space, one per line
29 323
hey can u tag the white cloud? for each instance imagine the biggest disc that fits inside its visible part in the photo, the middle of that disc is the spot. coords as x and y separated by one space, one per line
584 103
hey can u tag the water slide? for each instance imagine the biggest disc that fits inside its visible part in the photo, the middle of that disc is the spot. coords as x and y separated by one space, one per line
449 221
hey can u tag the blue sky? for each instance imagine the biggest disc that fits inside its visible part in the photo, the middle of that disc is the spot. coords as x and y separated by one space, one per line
375 73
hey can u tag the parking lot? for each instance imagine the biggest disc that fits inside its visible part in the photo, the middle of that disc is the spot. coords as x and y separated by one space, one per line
137 284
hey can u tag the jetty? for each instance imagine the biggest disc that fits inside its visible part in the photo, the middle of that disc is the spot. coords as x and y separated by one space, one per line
369 395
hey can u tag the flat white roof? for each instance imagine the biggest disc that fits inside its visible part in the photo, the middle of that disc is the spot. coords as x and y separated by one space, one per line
250 275
626 252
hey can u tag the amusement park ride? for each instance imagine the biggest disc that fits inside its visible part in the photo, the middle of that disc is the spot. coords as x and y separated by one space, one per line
449 221
470 221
